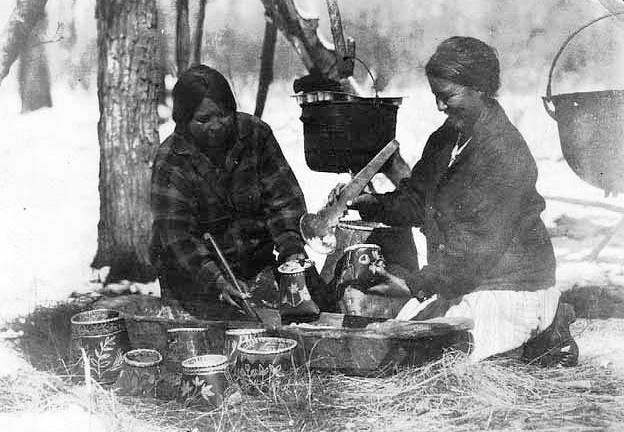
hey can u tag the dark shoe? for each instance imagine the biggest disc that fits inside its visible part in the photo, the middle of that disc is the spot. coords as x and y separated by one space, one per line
555 346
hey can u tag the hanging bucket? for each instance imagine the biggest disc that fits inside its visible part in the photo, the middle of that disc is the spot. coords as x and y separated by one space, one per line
342 132
591 129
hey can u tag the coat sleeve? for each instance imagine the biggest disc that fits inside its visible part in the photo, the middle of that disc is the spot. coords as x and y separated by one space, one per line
478 222
284 203
176 224
405 206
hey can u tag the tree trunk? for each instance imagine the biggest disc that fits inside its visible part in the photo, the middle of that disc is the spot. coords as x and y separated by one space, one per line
34 73
183 36
15 35
128 88
199 32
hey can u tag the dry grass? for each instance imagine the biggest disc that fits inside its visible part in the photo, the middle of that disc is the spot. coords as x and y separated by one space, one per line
450 394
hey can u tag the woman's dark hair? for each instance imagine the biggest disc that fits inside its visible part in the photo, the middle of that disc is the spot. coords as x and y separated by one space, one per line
193 86
466 61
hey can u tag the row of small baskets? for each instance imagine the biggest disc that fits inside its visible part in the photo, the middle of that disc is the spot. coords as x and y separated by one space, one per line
197 369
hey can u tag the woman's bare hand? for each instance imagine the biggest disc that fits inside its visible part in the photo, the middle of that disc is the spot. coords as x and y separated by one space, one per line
394 286
354 203
227 292
334 194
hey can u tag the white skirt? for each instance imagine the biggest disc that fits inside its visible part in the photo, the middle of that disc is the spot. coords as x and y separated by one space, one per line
503 320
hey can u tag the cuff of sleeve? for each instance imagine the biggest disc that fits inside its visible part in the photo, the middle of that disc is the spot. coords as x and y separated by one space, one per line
370 211
418 287
207 276
290 248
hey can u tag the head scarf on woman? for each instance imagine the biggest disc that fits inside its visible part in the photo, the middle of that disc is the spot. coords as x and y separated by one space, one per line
466 61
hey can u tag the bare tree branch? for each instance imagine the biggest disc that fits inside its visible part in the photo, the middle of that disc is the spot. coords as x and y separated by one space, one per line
266 66
15 35
345 66
301 31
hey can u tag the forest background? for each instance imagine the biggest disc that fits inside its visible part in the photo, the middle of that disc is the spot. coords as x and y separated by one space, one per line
49 158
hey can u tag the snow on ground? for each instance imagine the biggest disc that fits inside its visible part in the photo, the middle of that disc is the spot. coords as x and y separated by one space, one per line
49 178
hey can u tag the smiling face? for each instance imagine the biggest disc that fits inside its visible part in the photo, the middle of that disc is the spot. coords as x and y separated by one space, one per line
210 125
463 105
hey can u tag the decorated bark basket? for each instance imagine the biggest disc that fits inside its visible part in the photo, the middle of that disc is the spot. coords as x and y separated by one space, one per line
186 342
140 373
264 362
234 337
356 265
294 282
397 245
100 337
204 380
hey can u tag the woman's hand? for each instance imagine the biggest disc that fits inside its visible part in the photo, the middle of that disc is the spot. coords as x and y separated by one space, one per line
296 257
366 198
394 286
334 194
227 292
354 203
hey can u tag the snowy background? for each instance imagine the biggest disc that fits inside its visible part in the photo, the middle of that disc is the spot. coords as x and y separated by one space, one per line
49 158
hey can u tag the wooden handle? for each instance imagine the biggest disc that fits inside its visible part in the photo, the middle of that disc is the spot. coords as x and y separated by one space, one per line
361 179
248 309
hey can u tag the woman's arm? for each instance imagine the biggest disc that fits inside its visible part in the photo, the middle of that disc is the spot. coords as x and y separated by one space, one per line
176 224
482 209
283 199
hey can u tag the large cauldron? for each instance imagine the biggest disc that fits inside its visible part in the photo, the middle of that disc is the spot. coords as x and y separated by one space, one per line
591 129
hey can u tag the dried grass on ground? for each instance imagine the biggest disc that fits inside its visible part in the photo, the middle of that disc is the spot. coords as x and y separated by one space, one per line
450 394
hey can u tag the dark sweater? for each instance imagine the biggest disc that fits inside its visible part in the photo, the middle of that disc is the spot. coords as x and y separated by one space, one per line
481 216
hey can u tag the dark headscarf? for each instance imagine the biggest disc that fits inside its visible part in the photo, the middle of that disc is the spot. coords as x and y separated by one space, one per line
466 61
193 86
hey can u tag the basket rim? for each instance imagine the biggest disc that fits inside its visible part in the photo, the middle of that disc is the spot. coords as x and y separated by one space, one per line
362 225
187 330
362 245
301 269
137 363
75 318
198 362
290 345
244 331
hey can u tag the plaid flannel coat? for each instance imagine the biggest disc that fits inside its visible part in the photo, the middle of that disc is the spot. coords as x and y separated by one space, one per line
250 206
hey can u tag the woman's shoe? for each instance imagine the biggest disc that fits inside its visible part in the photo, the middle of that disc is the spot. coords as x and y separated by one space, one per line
555 346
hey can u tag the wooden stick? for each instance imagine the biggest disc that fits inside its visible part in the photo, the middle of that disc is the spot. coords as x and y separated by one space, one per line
250 311
593 255
600 246
587 203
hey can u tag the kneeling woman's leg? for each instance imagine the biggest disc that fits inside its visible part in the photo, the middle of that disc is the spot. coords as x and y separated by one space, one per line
505 320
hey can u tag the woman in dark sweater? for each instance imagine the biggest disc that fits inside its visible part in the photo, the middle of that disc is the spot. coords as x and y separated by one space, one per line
473 195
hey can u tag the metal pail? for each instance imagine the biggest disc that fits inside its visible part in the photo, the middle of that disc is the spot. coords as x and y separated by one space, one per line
591 129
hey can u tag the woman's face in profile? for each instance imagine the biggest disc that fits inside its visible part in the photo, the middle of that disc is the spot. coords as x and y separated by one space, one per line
210 125
461 104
